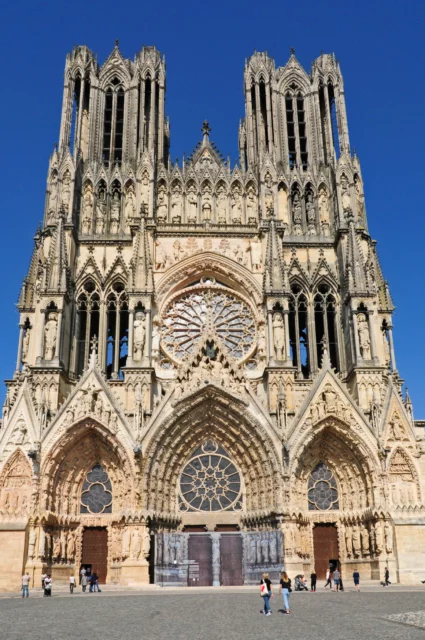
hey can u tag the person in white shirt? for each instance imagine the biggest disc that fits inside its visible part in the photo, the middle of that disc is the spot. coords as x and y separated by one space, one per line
25 582
71 584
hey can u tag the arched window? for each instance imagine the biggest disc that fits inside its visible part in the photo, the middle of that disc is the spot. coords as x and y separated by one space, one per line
296 128
96 496
290 128
302 131
298 331
117 331
334 119
113 123
325 323
87 323
322 489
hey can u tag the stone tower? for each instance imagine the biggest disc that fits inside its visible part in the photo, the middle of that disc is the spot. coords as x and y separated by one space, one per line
206 348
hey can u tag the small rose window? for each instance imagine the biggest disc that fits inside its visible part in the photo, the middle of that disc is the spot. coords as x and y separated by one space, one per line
97 492
322 489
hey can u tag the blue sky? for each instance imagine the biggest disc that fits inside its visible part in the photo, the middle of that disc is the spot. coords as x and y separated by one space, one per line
378 43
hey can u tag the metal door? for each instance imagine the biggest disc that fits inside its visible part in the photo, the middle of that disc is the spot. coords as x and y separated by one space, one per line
95 551
200 561
325 539
231 560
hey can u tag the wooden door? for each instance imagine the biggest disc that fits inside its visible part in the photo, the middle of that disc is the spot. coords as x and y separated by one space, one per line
95 551
200 552
325 539
231 560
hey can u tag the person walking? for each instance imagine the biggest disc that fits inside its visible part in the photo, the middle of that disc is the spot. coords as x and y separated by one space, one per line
71 584
387 577
313 580
92 581
356 578
84 583
83 572
43 577
25 583
285 590
337 579
328 578
47 585
266 593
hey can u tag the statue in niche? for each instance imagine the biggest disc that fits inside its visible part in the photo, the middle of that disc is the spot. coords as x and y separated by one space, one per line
70 547
251 204
126 539
256 254
26 345
265 548
57 547
348 541
356 542
206 203
100 213
379 543
98 407
330 398
365 541
31 543
323 203
53 196
161 205
144 191
66 190
236 205
273 549
221 204
386 347
261 345
87 209
129 205
115 212
396 431
146 543
359 199
41 553
268 194
50 337
345 194
136 544
139 335
156 337
297 213
192 205
364 336
176 202
279 336
161 256
388 537
311 214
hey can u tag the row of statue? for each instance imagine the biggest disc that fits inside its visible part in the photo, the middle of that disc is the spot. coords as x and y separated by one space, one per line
297 540
170 549
165 258
329 402
91 402
205 369
362 541
263 548
56 546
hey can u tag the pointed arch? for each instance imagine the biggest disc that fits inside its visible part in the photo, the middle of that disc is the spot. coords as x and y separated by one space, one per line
16 485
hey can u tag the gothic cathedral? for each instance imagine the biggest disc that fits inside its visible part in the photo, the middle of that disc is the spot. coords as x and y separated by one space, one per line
206 385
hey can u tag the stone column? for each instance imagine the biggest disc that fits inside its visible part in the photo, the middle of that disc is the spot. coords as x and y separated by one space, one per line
216 564
59 335
392 352
117 345
356 339
270 342
130 336
20 343
41 336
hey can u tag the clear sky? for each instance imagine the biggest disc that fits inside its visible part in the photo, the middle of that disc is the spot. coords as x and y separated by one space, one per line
379 44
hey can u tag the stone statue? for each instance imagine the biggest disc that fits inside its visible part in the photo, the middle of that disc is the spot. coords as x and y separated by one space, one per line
365 541
139 335
144 191
115 212
161 205
261 344
297 214
356 542
364 336
265 548
252 550
176 202
268 194
26 345
236 204
311 214
323 203
31 543
100 213
42 544
279 336
206 203
156 337
388 537
126 539
161 256
359 199
50 337
379 544
256 254
330 399
57 547
386 347
98 407
251 204
345 194
348 541
66 190
221 205
273 549
53 196
70 547
136 544
87 208
146 543
129 205
259 554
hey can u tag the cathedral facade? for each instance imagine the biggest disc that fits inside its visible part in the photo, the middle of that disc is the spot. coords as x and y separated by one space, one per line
206 384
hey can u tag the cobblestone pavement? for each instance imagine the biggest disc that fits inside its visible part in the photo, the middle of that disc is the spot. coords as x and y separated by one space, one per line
213 616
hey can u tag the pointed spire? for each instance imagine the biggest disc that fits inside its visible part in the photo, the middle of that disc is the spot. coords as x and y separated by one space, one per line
206 132
93 353
273 271
326 361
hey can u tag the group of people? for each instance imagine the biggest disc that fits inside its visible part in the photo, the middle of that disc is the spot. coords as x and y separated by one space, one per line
285 589
46 583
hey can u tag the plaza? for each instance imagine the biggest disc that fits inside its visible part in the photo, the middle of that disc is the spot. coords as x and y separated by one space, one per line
224 614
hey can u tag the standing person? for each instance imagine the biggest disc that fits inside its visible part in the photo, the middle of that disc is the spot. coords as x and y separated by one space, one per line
337 579
356 578
266 593
84 583
43 577
25 582
96 583
92 581
71 584
328 578
83 572
47 585
285 590
313 580
387 577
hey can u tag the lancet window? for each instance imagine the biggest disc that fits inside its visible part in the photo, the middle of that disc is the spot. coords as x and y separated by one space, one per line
117 330
334 119
325 319
113 123
87 323
296 128
322 489
298 331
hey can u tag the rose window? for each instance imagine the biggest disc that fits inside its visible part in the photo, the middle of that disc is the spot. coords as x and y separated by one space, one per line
187 316
322 489
210 481
97 492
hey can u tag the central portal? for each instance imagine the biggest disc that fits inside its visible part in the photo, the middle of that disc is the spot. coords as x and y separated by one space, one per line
325 539
95 551
200 561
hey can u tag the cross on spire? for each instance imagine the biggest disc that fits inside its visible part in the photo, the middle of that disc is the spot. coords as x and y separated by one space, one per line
206 130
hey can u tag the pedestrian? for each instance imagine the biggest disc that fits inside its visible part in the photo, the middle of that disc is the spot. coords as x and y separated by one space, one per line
71 584
25 582
96 584
337 579
84 583
285 590
92 581
387 577
313 580
47 585
83 572
43 577
356 578
266 593
328 578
